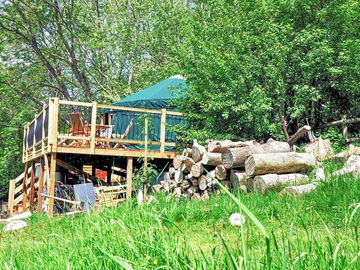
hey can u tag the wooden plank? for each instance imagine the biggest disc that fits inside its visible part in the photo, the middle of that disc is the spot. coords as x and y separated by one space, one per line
75 103
139 142
122 108
47 171
340 122
75 170
41 186
43 131
162 130
68 137
129 172
145 158
34 138
25 187
32 185
51 189
11 197
93 127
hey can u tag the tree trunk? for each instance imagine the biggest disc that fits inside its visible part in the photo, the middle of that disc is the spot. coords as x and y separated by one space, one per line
237 178
235 157
220 172
197 151
264 183
211 159
222 146
298 190
197 169
278 163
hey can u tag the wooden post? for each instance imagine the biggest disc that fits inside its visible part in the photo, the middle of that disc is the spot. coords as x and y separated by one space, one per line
93 128
162 131
24 145
145 159
93 170
344 127
129 169
108 177
47 173
51 188
43 132
53 122
24 187
11 197
34 139
32 185
41 186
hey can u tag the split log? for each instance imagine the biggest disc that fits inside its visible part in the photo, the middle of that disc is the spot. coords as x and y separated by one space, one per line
222 146
220 172
191 190
210 178
178 161
235 157
185 185
188 162
187 152
351 166
278 163
211 159
166 176
197 169
237 178
203 182
178 176
264 183
226 184
172 171
197 151
298 190
196 196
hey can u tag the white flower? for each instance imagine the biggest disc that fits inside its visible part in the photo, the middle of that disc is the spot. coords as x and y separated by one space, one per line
112 222
237 219
216 204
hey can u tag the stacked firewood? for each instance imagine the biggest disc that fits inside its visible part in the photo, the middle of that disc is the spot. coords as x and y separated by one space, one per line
245 165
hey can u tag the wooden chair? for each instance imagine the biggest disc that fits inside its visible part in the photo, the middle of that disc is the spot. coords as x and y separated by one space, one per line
76 124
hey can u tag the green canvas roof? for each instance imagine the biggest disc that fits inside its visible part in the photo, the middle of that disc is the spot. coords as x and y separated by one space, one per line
157 96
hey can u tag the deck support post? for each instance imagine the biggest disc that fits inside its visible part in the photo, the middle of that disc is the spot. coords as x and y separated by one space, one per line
51 188
162 131
145 159
129 170
32 186
24 187
41 186
11 197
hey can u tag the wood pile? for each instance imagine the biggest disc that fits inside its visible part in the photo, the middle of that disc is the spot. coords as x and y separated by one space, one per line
247 166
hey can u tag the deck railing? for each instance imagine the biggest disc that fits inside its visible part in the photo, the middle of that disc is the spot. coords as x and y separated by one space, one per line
87 127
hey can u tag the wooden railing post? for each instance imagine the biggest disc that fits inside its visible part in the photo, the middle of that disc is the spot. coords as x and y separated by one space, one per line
32 185
93 127
145 158
43 130
162 131
24 186
34 138
11 197
41 186
129 169
53 123
51 187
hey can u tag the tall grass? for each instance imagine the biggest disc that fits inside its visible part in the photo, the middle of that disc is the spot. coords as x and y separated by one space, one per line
319 230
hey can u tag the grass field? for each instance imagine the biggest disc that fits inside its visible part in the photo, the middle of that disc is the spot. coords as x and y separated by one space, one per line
317 231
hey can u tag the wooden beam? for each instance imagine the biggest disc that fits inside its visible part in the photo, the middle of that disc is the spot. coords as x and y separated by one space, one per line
145 158
340 122
24 189
51 189
93 127
11 197
41 186
75 170
129 170
121 108
32 185
162 131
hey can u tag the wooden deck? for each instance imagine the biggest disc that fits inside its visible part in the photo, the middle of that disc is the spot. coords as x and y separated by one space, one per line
51 137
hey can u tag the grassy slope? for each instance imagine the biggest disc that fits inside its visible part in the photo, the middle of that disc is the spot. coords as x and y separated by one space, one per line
313 232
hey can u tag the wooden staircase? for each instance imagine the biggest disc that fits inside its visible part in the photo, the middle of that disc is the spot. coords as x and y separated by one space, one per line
17 188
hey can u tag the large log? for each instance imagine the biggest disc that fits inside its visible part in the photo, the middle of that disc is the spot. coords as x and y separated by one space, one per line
178 176
238 178
222 146
278 163
220 172
188 162
298 190
235 157
178 161
301 132
264 183
203 182
197 151
211 159
197 169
